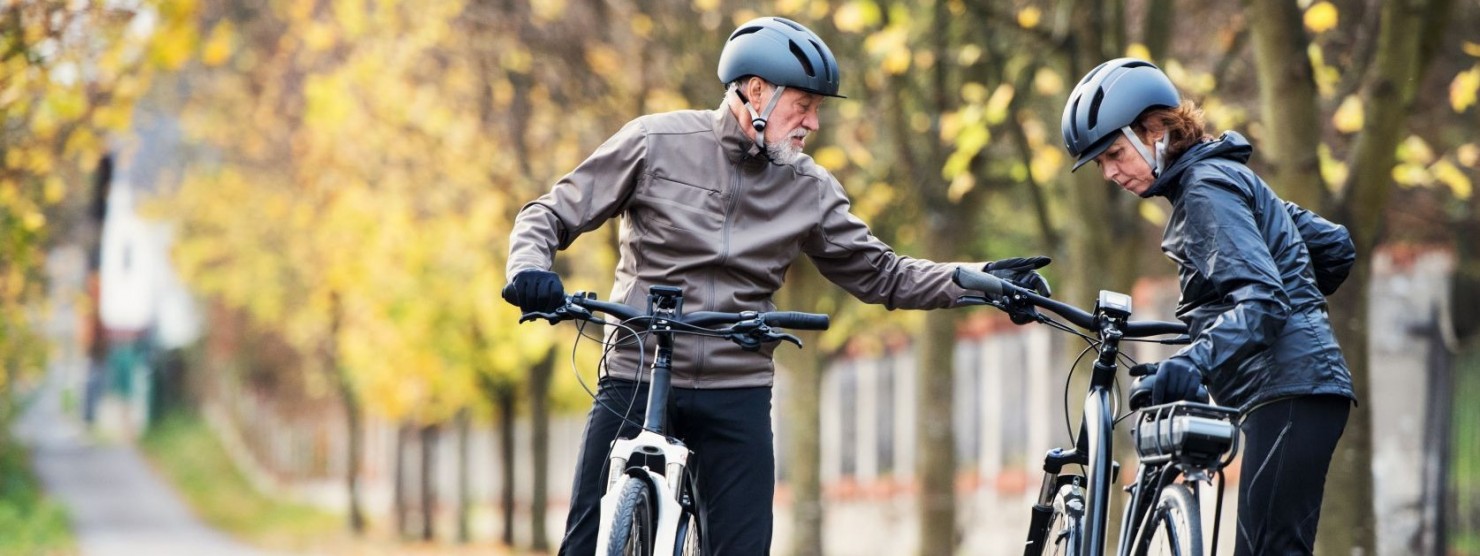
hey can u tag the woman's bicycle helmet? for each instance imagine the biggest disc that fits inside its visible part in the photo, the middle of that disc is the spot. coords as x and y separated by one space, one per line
1108 100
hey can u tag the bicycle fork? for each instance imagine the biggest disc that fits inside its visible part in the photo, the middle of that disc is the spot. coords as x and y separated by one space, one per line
665 487
1052 492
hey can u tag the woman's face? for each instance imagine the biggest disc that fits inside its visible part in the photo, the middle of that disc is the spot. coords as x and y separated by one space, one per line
1123 164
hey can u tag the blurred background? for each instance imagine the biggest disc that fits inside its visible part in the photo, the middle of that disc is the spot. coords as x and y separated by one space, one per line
250 255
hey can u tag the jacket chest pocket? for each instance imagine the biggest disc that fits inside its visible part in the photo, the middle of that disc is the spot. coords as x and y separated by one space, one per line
680 206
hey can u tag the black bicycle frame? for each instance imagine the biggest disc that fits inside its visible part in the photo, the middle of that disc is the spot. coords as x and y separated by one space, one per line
1094 448
1100 421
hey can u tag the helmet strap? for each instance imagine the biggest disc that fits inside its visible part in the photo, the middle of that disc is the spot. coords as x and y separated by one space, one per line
1155 161
758 120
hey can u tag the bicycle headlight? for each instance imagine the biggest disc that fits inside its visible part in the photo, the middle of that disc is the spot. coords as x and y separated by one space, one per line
1190 433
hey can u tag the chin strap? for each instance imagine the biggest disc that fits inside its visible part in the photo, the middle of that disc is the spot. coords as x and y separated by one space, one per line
1156 161
758 120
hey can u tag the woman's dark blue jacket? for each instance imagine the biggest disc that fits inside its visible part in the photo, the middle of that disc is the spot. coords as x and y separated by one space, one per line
1253 269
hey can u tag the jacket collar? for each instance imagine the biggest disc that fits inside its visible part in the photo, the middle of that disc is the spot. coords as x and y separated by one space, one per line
1231 146
737 146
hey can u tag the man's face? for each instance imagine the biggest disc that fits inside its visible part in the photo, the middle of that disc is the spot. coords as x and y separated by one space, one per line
795 116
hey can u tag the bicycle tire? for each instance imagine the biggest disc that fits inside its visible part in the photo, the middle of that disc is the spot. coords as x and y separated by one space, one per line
1176 526
690 536
636 520
1065 531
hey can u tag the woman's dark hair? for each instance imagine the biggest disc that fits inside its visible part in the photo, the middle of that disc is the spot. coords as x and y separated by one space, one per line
1184 127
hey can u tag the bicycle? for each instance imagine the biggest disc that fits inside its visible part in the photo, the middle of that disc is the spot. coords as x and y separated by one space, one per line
652 507
1193 440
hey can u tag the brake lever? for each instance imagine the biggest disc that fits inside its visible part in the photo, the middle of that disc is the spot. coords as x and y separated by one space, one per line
787 337
1004 304
566 312
535 315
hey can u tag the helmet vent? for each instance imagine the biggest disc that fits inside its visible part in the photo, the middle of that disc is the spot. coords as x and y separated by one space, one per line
1094 107
742 32
802 57
827 69
790 23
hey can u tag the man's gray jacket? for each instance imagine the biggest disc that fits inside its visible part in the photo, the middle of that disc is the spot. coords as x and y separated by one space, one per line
703 210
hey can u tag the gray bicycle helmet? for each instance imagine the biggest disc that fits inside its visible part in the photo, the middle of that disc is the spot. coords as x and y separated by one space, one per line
782 52
1108 100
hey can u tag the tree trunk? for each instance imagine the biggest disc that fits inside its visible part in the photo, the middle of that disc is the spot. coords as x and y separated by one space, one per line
944 235
1348 523
464 481
1157 29
937 455
398 481
803 452
1105 221
539 410
428 482
354 448
504 401
1287 98
354 425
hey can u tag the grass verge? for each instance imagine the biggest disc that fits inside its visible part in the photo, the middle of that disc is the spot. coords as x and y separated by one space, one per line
187 453
30 523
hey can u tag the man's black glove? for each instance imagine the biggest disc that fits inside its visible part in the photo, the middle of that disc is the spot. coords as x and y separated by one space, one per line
1022 272
535 291
1174 381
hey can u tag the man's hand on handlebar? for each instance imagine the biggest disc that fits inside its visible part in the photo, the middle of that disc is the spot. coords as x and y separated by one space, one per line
1022 272
535 291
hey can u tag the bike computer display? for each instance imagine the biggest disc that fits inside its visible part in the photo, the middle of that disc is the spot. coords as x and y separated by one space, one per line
1114 304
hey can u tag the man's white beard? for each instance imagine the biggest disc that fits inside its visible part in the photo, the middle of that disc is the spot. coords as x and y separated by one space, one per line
785 151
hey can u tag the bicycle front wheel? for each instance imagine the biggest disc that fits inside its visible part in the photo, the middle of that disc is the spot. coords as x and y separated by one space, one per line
1063 530
1176 524
689 535
636 519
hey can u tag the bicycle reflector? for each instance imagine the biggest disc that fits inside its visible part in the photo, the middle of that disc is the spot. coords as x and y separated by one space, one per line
1195 434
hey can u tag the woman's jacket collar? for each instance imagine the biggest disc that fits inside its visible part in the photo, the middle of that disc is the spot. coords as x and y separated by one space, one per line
1231 146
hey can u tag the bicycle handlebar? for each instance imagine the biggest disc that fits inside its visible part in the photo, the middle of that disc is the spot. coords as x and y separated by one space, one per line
743 328
977 280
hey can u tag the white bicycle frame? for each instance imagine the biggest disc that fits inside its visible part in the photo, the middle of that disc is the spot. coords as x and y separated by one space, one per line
666 486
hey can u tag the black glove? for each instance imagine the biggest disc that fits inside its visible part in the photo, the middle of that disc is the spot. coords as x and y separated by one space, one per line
1174 381
535 291
1022 272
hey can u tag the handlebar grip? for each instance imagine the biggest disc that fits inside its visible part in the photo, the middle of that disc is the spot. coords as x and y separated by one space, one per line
796 320
980 281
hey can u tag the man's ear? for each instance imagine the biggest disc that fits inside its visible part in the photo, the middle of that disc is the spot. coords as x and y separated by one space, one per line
754 86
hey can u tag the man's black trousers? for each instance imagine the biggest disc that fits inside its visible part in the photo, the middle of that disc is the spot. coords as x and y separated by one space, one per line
729 431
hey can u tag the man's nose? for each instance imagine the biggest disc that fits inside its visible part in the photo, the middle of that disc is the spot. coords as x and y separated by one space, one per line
812 121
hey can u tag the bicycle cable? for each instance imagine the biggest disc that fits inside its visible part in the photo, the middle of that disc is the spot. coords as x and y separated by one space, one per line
634 337
1067 380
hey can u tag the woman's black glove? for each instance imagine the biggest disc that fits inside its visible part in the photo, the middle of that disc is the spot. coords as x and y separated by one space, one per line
1022 272
535 291
1174 381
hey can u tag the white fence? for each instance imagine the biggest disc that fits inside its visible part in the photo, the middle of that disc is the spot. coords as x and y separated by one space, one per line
1008 413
